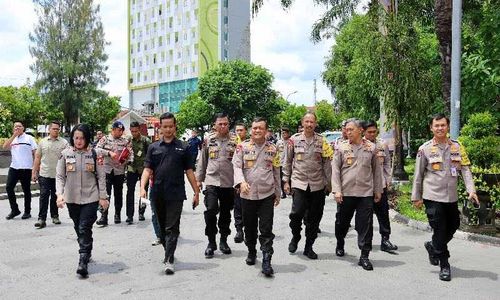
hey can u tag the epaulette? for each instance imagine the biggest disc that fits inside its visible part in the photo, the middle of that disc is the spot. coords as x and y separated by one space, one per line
296 134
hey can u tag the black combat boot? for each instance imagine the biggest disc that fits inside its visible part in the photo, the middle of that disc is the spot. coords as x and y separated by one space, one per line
387 246
364 261
239 237
339 250
142 210
82 269
433 259
211 247
445 272
292 247
252 256
308 250
103 221
266 264
223 246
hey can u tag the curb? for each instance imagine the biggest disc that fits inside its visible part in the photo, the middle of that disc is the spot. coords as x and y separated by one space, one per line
34 193
468 236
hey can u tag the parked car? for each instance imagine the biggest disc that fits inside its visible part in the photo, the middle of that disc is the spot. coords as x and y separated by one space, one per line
331 136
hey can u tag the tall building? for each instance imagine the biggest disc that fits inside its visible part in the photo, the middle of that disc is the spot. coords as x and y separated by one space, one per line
173 42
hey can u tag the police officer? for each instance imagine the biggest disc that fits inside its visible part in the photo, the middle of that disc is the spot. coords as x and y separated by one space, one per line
308 165
356 183
342 138
110 148
257 175
80 183
140 146
282 146
216 170
381 208
168 159
435 184
241 135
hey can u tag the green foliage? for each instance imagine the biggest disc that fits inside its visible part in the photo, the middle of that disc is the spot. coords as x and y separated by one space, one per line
5 122
479 138
68 47
100 111
194 113
404 205
26 105
240 89
290 117
326 116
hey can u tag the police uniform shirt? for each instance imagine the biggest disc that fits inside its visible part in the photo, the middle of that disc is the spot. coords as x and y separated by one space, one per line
109 144
168 161
384 159
436 171
308 163
258 166
214 166
80 178
355 170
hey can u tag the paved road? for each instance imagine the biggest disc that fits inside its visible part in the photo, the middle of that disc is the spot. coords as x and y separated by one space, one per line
41 264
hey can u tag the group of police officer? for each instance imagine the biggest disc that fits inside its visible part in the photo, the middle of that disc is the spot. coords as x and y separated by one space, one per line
244 174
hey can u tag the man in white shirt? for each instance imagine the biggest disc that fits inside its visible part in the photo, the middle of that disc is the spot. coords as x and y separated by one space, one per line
22 148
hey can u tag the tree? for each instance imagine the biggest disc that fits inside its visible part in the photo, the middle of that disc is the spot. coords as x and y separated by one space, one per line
290 117
68 47
26 105
194 113
100 111
240 89
326 116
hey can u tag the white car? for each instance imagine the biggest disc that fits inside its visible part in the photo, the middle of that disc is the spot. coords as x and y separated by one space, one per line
331 136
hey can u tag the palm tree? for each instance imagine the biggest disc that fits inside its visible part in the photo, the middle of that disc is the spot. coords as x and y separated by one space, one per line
341 10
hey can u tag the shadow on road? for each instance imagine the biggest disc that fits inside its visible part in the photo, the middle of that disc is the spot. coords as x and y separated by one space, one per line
462 273
191 266
116 267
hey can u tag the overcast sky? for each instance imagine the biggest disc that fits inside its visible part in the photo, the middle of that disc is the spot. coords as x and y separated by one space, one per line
280 43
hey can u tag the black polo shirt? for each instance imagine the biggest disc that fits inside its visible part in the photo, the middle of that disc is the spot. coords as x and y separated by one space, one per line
168 162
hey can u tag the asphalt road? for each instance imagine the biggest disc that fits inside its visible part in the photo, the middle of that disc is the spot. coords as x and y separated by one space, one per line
41 264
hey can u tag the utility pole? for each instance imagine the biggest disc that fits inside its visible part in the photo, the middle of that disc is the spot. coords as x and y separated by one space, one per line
315 92
456 55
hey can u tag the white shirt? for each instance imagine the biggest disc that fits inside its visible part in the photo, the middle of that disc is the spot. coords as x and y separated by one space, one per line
21 150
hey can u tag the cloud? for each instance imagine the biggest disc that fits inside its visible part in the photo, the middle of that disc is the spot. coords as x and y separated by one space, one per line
280 43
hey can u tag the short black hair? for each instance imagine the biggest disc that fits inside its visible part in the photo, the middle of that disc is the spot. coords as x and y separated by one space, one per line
285 129
220 116
259 119
168 115
83 128
438 117
369 123
56 122
240 124
135 124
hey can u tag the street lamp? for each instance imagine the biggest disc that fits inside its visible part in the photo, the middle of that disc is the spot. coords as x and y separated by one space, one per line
295 92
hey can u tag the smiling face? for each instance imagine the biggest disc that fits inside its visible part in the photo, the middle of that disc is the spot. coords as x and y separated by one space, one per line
259 130
440 128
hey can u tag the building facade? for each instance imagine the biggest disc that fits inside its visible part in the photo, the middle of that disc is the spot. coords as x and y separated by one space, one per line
173 42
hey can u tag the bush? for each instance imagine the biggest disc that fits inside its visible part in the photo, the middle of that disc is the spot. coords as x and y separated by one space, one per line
479 139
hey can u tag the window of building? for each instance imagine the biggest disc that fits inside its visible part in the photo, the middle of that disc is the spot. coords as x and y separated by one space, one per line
162 24
159 10
170 22
226 3
145 46
140 63
162 56
225 20
168 72
160 73
176 70
138 46
133 33
193 68
138 17
133 63
155 26
145 77
152 43
138 77
171 55
147 29
185 36
225 54
131 49
176 37
160 41
225 36
154 58
179 55
168 39
147 60
193 33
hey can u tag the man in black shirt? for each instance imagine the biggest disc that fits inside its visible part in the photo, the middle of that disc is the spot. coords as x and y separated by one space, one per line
167 160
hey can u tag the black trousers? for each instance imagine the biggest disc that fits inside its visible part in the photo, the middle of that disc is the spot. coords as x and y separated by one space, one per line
218 200
47 195
132 179
444 218
311 203
168 214
83 216
259 213
381 210
115 183
238 215
15 175
363 206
